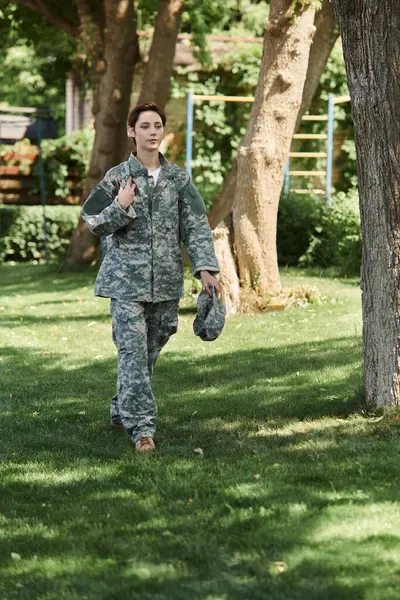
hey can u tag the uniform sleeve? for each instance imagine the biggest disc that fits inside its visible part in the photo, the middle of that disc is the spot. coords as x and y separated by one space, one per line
101 210
195 231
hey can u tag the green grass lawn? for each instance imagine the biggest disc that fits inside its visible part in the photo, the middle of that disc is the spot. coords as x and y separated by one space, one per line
295 495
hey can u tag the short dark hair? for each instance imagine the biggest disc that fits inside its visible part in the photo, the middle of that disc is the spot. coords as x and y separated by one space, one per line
137 110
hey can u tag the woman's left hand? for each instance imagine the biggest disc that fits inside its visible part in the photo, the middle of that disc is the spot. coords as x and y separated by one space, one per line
207 281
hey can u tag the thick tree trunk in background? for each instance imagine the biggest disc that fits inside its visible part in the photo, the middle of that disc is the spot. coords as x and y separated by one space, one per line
324 39
110 36
371 46
263 153
220 220
156 82
230 289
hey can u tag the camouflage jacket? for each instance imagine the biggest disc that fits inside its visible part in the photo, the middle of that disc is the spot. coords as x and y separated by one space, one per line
143 261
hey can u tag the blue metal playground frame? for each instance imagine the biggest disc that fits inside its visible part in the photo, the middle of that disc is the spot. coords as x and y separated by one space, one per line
329 136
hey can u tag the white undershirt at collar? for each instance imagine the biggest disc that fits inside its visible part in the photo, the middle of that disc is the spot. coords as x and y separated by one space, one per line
155 174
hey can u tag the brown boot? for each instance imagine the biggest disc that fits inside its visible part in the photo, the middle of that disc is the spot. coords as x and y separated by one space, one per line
116 425
145 444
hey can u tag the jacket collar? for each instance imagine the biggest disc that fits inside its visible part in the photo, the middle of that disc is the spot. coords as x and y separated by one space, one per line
136 168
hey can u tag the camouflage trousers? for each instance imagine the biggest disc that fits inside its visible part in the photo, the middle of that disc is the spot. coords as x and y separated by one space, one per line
140 330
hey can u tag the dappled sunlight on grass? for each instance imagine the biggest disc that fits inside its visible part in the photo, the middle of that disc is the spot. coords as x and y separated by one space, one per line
268 481
33 473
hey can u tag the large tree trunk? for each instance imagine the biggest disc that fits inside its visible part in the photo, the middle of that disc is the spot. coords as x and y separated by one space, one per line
371 46
109 34
324 39
325 36
156 82
263 153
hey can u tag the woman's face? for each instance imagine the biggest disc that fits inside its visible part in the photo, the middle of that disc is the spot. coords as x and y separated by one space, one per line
148 131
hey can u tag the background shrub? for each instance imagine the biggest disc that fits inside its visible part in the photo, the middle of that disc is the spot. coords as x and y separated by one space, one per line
336 241
298 216
22 235
312 234
61 157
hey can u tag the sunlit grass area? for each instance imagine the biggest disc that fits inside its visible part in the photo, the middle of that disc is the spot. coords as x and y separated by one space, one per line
269 480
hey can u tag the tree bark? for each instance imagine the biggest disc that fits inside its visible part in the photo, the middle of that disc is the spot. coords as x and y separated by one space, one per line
109 35
371 45
263 153
156 83
230 289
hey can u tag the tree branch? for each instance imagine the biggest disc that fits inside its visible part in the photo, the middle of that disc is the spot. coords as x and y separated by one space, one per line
50 16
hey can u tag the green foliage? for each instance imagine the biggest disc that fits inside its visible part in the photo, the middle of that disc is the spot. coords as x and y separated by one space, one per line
298 216
38 55
337 238
236 17
312 234
36 58
22 234
25 81
19 154
254 17
61 157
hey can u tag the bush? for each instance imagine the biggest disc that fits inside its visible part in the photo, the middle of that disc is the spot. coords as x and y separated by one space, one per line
61 157
22 235
298 216
65 162
312 234
336 241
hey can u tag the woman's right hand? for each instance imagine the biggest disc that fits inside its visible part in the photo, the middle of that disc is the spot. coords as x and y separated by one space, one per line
126 193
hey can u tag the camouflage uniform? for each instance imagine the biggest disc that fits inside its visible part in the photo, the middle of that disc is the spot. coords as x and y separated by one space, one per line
142 272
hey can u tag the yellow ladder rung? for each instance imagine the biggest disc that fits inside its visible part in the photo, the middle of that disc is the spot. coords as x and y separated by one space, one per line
310 136
307 173
308 191
307 154
314 118
224 98
340 99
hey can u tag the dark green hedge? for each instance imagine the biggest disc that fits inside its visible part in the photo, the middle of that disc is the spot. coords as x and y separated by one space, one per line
298 216
22 235
310 233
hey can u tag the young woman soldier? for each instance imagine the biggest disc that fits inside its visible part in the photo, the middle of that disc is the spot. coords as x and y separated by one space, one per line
146 206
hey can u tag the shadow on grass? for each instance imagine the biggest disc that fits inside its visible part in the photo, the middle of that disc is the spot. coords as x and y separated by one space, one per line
29 320
105 523
220 394
28 279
